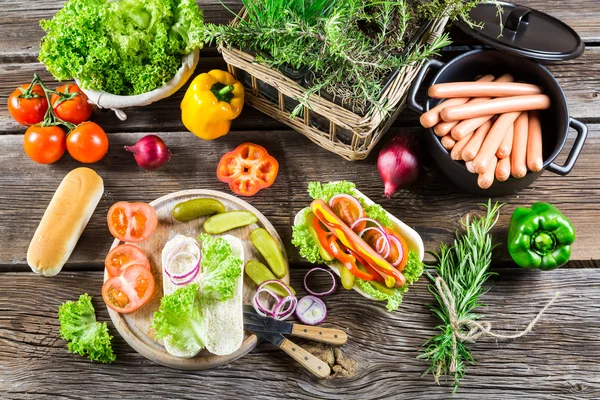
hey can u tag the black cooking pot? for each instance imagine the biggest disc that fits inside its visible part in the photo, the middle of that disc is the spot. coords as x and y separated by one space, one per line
555 120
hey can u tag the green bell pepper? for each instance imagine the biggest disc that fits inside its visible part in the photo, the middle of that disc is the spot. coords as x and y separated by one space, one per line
540 237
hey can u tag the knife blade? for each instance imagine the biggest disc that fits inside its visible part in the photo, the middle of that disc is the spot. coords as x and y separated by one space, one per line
316 366
264 324
257 323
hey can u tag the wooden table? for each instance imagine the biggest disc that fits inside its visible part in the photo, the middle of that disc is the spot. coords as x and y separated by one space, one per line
559 359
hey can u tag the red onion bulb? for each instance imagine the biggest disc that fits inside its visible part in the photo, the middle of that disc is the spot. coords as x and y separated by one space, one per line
150 152
398 163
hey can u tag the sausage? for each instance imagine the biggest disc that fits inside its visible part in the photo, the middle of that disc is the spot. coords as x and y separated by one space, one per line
443 128
535 160
448 142
349 238
472 148
518 156
505 147
456 153
469 165
486 178
432 117
482 89
503 169
463 128
492 141
496 106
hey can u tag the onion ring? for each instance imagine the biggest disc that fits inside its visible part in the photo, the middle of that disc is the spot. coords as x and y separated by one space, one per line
320 294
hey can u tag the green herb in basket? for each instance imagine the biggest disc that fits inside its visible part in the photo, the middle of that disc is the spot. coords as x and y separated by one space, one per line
122 47
350 46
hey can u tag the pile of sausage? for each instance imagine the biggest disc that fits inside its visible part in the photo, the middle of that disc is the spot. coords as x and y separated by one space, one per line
492 124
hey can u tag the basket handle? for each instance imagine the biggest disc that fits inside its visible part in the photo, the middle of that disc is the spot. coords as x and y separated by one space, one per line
582 132
412 101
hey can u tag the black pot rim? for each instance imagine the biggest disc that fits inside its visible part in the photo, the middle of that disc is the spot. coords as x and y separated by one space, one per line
543 69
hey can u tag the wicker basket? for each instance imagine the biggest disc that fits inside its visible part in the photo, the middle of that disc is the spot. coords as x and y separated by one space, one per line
326 123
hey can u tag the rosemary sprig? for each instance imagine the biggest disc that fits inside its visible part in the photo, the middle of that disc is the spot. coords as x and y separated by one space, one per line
464 267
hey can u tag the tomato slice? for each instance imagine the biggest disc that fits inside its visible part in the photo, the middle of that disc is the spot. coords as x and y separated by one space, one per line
348 210
124 256
248 169
132 222
129 291
372 237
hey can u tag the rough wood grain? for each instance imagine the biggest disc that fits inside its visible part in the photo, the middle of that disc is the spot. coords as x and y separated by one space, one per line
432 206
20 32
579 78
558 360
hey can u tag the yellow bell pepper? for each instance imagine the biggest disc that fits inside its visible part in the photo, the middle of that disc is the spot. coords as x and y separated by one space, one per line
211 102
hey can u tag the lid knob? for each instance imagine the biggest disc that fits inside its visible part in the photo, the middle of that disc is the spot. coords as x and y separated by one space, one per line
518 19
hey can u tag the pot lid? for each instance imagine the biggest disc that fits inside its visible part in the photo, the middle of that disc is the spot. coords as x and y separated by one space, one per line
527 32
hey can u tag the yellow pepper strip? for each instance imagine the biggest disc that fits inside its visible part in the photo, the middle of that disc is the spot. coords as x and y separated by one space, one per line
211 102
392 277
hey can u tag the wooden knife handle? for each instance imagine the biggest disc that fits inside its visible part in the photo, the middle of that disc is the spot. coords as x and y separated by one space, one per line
319 368
335 337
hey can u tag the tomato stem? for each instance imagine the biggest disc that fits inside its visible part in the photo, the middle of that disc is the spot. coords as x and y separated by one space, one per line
50 118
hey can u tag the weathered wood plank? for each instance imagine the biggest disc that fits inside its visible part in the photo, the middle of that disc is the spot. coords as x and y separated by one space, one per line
557 360
579 78
432 206
20 32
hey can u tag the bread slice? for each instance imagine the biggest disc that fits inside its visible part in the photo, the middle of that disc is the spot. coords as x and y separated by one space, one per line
169 288
225 332
224 319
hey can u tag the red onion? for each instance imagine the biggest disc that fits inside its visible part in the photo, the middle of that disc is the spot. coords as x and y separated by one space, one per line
398 163
400 251
150 152
311 310
319 294
276 311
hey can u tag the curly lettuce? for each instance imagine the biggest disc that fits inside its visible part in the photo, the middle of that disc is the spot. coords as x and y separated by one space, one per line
124 47
220 268
181 318
85 335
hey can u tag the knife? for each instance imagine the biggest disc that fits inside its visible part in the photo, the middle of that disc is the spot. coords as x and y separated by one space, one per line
257 323
317 367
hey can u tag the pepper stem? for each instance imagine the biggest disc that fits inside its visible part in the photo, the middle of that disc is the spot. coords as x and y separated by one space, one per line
543 242
222 92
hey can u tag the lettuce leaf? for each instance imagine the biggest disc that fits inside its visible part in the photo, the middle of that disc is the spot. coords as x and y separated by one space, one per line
86 336
305 242
220 268
181 318
124 47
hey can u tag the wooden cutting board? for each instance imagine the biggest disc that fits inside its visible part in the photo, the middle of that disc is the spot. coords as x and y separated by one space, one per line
136 329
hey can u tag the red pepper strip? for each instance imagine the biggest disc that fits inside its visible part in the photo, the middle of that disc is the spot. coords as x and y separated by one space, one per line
393 276
322 236
348 260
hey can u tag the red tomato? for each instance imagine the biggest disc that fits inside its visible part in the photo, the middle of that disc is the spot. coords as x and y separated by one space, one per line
348 211
124 256
72 105
87 143
132 222
28 111
129 291
372 236
44 144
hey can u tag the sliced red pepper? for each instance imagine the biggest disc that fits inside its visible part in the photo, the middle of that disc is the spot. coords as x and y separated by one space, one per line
391 274
348 260
248 169
322 236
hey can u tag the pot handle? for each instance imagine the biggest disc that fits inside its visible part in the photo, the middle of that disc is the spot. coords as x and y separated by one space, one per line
582 132
412 101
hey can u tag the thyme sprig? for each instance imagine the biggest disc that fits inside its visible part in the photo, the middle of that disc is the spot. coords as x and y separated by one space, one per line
464 266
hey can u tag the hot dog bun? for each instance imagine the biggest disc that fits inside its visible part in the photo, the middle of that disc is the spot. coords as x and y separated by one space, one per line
63 222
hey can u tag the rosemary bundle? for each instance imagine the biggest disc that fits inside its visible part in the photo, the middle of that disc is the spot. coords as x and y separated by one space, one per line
463 268
350 46
458 275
